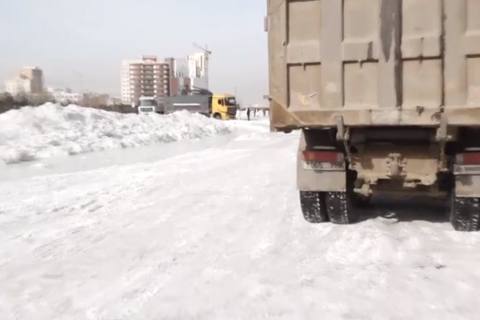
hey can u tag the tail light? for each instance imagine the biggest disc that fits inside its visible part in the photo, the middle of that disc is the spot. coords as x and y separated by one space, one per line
470 158
323 156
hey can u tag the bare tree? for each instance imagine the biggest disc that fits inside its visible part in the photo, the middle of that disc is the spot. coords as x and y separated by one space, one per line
38 99
92 100
20 99
98 101
6 102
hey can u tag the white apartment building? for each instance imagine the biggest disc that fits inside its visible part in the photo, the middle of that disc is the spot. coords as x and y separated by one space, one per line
65 95
27 80
201 64
195 67
144 77
18 85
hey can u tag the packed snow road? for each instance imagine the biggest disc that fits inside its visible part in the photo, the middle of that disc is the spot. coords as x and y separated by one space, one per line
216 233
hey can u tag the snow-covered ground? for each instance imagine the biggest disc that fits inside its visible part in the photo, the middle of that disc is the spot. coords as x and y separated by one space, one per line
51 130
215 232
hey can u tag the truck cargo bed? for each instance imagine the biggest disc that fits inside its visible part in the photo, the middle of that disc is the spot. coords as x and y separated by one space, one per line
373 62
191 103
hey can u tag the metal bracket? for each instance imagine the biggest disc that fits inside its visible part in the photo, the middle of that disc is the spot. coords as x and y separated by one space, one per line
340 127
343 134
395 165
442 137
442 130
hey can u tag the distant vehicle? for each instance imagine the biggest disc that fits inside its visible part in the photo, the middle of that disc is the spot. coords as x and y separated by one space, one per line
147 105
224 106
191 103
218 106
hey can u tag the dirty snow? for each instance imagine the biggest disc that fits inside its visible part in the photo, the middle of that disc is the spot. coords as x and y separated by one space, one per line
50 130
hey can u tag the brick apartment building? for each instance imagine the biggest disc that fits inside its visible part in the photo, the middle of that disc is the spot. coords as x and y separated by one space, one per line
145 77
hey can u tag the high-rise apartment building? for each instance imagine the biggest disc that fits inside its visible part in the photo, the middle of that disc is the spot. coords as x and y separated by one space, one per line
27 80
191 70
144 77
199 62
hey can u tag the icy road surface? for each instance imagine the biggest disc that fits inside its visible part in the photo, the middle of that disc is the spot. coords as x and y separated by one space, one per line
216 233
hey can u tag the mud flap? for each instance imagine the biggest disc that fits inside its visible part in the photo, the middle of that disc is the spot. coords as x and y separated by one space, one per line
317 180
467 185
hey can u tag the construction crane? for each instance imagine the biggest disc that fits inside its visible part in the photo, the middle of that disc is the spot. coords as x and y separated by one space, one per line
206 62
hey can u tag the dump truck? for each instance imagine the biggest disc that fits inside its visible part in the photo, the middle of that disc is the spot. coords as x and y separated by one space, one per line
386 94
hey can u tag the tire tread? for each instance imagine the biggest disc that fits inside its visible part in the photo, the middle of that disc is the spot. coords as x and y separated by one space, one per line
313 206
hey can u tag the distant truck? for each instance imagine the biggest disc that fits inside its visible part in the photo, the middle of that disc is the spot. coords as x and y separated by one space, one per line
147 105
387 101
193 99
218 106
222 107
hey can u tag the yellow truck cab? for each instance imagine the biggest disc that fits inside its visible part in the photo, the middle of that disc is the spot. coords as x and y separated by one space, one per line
224 106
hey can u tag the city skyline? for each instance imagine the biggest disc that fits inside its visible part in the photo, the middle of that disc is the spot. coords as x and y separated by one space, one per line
83 48
180 68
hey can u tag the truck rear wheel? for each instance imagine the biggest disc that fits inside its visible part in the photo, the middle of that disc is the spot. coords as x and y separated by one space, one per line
340 207
464 213
313 206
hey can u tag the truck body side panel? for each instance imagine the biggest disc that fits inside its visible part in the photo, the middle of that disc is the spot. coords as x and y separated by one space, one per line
374 62
191 103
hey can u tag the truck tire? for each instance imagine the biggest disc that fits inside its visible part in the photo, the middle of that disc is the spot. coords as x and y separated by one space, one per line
340 208
464 213
341 205
217 116
313 206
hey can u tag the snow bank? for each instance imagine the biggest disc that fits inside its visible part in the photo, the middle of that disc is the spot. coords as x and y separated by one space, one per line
262 125
50 130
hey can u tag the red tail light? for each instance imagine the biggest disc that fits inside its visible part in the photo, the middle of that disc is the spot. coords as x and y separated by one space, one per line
468 158
323 156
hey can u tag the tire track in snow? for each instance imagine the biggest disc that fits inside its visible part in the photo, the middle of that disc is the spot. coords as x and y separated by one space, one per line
138 219
94 200
219 248
67 242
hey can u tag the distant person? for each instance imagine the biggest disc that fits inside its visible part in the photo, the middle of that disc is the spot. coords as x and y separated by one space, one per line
248 114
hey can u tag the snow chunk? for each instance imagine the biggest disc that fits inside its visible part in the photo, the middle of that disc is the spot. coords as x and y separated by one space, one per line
32 133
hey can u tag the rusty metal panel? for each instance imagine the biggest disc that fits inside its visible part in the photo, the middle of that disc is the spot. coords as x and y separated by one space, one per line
376 62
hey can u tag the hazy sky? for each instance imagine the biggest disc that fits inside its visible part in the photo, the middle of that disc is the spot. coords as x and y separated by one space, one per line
81 43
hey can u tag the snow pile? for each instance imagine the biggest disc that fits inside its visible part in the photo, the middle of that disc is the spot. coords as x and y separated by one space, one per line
32 133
